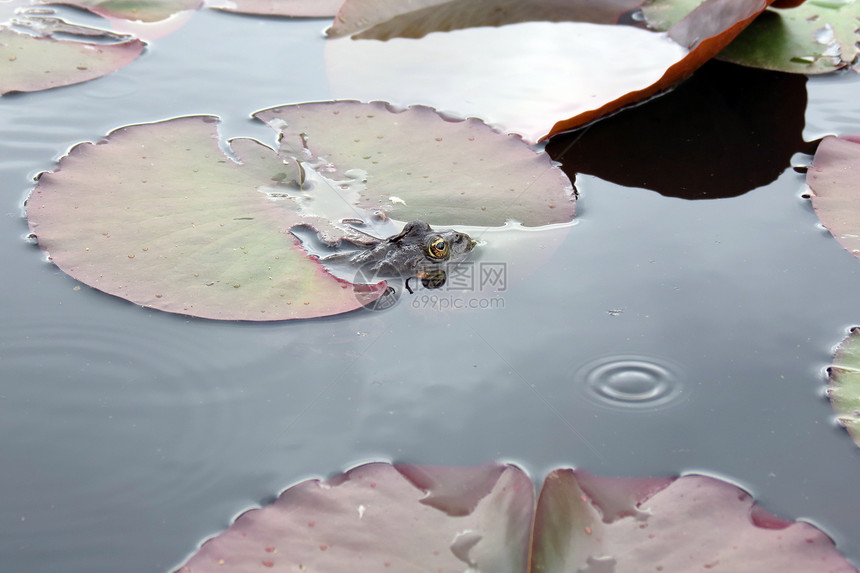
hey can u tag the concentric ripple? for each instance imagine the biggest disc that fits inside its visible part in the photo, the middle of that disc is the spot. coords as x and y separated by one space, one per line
631 382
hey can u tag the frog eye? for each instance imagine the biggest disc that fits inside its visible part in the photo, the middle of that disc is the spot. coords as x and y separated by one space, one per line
438 248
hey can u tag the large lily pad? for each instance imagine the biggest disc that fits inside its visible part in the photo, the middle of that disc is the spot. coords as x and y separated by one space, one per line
578 71
834 179
157 214
819 36
292 8
32 63
844 389
379 517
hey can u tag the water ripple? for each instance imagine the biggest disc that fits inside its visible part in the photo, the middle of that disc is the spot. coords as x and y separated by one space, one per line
631 382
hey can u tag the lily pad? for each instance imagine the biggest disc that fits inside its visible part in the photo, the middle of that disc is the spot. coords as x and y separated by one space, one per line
142 10
578 72
379 517
818 36
844 389
159 215
420 165
834 179
32 63
290 8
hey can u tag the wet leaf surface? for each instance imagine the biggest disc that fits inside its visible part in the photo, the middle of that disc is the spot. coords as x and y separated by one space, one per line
375 518
816 37
844 388
292 8
579 72
419 165
834 178
668 144
159 215
31 63
416 518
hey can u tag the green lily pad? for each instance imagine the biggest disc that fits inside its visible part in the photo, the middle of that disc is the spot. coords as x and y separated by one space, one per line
379 517
157 214
142 10
291 8
834 179
578 72
32 63
819 36
419 165
844 389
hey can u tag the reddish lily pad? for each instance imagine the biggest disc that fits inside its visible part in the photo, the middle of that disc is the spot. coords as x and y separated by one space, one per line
142 10
31 63
158 215
690 524
379 517
844 388
577 72
290 8
834 179
375 518
420 165
816 37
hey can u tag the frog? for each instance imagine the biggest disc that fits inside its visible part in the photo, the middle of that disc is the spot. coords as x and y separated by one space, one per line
418 251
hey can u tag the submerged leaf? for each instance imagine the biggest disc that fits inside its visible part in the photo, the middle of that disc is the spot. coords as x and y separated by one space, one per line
834 178
418 165
379 517
373 518
292 8
32 63
158 215
844 389
568 73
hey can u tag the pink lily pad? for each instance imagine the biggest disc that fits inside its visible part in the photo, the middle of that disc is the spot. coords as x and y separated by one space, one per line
290 8
142 10
32 63
834 179
578 72
379 517
844 388
375 518
157 214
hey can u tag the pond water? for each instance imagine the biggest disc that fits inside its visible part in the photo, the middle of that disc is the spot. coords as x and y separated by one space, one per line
661 335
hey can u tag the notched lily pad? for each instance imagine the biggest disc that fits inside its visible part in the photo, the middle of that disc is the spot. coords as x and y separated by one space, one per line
374 518
580 71
38 61
159 215
379 517
420 165
844 387
290 8
834 179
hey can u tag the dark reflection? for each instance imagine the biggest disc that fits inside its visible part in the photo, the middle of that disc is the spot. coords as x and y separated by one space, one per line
725 131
